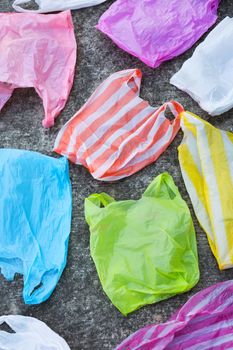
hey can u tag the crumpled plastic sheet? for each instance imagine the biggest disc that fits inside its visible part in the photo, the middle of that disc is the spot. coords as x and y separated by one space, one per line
206 162
46 6
35 220
29 334
38 51
117 133
157 30
207 75
204 322
142 257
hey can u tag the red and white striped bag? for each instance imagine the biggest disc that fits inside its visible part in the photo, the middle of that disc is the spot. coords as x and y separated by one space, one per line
116 133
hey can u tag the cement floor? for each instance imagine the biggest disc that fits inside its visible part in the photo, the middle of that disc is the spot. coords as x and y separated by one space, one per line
78 309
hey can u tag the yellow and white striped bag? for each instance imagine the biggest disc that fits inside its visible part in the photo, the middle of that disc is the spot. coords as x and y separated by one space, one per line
206 160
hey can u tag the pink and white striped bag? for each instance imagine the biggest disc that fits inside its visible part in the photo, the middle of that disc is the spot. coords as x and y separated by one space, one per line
116 133
205 322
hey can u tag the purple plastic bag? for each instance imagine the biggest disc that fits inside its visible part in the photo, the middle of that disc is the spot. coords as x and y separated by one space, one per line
205 322
157 30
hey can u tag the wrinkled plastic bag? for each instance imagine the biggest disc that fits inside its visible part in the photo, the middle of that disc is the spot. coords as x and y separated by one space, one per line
142 257
207 75
29 334
116 133
45 48
35 219
204 322
206 162
157 30
55 5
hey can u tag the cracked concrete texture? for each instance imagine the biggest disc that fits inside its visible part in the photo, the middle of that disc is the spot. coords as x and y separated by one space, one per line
78 309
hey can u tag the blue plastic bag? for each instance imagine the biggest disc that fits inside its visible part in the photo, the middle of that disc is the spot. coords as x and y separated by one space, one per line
35 220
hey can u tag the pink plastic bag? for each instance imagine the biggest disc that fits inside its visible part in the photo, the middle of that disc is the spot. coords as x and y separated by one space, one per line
38 51
203 323
157 30
116 133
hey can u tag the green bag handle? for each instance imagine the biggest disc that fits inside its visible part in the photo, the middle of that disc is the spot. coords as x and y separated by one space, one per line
162 186
94 203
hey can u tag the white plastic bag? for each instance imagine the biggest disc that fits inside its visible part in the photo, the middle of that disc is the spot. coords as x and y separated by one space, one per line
208 75
30 334
46 6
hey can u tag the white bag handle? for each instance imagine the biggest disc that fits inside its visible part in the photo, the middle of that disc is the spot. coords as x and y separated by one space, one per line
18 8
55 5
30 334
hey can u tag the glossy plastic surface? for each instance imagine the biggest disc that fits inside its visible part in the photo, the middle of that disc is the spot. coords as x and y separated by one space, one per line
157 30
29 334
46 6
35 219
207 76
38 51
204 322
144 250
206 162
117 133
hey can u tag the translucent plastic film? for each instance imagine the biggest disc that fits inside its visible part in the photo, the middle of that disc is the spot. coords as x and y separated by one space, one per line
117 133
206 162
207 76
45 48
35 219
142 257
157 30
29 334
204 322
45 6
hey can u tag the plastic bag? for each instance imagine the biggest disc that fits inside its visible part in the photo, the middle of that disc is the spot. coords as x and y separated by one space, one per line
45 48
30 334
206 163
142 257
157 30
55 5
116 133
207 75
35 219
204 322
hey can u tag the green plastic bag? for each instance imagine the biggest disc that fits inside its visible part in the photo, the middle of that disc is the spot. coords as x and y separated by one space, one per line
144 250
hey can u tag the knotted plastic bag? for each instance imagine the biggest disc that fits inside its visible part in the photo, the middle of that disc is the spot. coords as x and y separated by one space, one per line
207 75
55 5
157 30
38 51
35 219
204 322
142 257
206 162
116 133
29 334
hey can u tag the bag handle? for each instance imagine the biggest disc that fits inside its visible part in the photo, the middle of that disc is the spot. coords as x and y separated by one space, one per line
100 199
175 107
18 8
93 205
162 186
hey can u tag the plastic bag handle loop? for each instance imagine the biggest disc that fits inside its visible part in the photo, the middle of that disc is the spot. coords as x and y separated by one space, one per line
163 186
101 200
18 8
62 7
94 204
175 108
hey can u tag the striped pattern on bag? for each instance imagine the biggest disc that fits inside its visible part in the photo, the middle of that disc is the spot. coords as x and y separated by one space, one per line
116 133
206 161
203 323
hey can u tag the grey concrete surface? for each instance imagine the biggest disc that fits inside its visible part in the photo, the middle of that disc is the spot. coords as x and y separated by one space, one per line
78 309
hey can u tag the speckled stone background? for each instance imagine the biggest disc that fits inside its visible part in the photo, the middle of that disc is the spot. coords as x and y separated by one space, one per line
78 309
